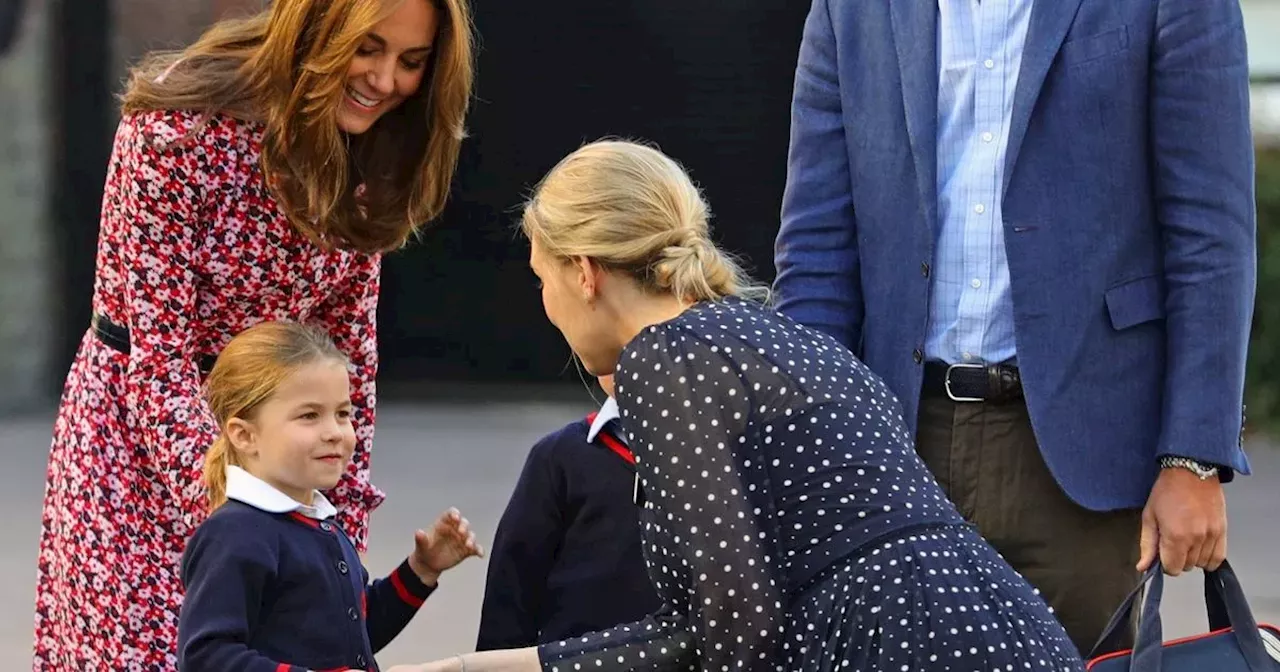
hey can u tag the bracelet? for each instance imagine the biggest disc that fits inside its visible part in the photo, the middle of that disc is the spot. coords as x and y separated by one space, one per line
462 663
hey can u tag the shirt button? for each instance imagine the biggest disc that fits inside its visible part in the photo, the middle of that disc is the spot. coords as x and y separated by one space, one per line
342 567
975 283
924 268
988 64
353 614
979 208
917 356
988 136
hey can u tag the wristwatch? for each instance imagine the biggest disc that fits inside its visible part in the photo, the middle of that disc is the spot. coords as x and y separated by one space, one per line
1204 471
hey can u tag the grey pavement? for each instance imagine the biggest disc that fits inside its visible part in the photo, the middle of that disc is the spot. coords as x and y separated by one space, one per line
431 456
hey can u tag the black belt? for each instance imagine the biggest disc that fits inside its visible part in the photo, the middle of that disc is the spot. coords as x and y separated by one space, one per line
972 382
116 337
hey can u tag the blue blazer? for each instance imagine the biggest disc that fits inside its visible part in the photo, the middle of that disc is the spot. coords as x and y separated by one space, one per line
1129 220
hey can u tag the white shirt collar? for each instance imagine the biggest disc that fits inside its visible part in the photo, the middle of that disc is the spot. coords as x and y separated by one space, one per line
609 411
243 486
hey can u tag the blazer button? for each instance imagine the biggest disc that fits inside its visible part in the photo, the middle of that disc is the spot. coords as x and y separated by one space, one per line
353 614
342 566
917 356
924 268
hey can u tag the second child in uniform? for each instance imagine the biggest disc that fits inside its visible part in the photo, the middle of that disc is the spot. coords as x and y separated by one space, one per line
272 583
566 558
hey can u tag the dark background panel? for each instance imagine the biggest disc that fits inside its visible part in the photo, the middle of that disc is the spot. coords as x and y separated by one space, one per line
708 82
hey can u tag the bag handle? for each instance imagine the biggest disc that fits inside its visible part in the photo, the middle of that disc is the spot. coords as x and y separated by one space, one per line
1226 606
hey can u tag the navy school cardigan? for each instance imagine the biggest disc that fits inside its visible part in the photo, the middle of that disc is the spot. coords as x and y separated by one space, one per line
280 592
566 558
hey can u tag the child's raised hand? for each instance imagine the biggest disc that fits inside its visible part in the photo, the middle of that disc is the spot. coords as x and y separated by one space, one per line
449 542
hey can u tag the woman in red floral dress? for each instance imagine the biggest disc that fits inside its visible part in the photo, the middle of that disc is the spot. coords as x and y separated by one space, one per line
259 174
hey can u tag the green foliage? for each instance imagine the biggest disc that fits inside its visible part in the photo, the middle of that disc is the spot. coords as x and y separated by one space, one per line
1262 385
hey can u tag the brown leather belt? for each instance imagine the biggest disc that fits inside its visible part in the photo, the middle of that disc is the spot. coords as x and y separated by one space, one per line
972 383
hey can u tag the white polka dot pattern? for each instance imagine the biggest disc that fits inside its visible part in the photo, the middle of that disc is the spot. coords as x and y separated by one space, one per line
771 458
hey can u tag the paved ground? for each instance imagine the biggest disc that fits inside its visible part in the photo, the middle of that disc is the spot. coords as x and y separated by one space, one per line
430 456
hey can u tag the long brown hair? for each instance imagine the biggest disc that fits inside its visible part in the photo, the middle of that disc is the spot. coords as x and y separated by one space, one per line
286 68
248 372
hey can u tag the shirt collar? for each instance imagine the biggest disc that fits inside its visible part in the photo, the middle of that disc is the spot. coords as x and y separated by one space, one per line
608 412
243 486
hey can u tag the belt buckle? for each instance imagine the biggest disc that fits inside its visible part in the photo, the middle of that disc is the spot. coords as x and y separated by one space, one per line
947 382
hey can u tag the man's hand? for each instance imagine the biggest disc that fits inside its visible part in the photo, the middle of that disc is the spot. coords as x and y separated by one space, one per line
1185 522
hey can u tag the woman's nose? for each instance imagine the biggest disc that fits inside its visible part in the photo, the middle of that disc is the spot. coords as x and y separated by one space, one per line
382 76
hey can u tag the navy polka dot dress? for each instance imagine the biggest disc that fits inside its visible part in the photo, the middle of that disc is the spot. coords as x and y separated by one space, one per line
789 525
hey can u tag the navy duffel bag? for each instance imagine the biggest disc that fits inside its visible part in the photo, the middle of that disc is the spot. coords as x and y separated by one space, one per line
1235 641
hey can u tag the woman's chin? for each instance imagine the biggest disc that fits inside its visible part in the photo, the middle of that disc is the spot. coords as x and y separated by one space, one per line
598 366
353 124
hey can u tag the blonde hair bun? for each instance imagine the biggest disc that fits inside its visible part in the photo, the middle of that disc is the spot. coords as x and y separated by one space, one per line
634 209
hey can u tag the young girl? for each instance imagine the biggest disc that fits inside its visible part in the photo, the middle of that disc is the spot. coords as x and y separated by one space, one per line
273 584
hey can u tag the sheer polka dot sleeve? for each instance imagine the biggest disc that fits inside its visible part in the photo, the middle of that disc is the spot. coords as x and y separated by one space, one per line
659 643
688 412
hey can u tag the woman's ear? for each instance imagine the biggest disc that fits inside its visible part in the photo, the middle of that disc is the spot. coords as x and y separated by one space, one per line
589 274
242 436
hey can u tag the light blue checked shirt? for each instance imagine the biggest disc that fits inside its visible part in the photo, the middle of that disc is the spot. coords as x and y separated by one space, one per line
980 46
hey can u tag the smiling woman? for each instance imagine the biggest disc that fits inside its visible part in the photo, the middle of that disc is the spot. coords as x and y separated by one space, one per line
257 175
389 65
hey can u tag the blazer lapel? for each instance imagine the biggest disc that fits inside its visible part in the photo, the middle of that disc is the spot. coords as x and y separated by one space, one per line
1050 20
915 35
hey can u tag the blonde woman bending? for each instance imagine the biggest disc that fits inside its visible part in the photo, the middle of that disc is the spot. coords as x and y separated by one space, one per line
787 522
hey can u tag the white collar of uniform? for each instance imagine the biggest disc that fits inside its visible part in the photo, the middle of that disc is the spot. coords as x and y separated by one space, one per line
243 486
609 411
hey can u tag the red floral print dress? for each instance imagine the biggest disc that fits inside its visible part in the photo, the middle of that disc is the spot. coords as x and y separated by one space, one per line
192 250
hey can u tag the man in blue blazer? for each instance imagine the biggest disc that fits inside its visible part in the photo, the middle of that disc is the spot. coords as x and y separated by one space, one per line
1035 220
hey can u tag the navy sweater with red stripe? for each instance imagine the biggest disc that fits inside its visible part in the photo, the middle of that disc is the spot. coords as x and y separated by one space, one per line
269 592
566 559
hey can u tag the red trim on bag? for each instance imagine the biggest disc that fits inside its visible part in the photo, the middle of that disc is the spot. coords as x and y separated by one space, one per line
613 444
1172 642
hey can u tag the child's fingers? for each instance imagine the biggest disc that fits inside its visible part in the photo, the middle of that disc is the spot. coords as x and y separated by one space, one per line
450 520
